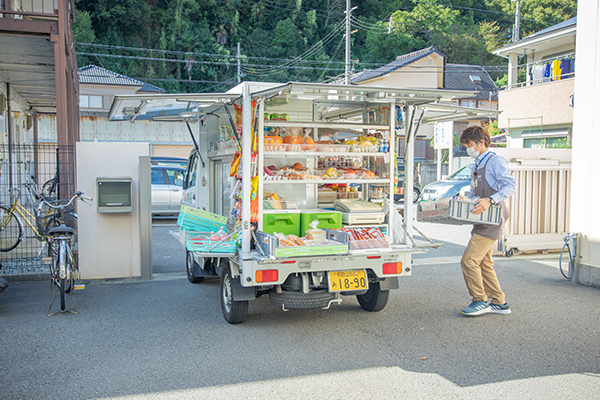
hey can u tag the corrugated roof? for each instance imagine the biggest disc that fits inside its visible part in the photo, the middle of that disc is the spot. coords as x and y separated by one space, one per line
92 74
458 77
399 62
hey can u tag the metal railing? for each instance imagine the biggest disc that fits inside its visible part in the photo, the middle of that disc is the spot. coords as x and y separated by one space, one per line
18 163
29 9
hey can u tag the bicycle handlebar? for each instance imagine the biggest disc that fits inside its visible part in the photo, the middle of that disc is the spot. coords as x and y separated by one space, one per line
78 195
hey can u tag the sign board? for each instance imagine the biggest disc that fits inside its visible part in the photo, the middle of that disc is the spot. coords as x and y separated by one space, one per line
443 137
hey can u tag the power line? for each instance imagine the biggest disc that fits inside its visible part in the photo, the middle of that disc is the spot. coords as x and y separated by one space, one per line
310 52
480 10
332 57
195 54
271 4
192 61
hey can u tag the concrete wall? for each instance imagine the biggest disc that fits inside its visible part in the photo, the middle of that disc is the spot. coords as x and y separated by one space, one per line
550 101
585 214
109 244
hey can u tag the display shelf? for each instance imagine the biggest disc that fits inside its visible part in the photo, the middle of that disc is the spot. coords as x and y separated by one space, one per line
289 154
324 181
330 125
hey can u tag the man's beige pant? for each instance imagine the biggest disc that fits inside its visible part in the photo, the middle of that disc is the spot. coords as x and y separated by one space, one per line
478 270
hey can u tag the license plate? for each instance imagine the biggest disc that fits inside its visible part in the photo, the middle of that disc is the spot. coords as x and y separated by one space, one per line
341 281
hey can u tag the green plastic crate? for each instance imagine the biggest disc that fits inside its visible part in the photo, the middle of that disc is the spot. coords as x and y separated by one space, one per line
327 220
286 223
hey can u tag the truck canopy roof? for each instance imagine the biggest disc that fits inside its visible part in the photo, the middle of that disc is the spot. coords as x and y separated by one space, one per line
292 98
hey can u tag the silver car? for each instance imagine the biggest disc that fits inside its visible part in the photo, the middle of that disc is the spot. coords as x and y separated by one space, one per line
455 184
167 183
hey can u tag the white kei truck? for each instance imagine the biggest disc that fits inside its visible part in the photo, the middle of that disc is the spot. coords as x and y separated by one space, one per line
289 188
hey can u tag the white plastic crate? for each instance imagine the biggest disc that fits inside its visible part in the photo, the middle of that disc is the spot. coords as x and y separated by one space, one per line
457 212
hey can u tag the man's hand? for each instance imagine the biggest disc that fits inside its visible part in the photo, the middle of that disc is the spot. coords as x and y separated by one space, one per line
481 205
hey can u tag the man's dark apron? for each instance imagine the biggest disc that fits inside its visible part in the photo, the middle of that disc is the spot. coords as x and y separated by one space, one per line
481 188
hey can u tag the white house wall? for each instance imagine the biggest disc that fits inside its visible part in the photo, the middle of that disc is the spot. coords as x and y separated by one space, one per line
585 213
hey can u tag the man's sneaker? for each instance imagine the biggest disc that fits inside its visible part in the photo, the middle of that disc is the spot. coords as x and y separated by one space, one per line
500 308
477 308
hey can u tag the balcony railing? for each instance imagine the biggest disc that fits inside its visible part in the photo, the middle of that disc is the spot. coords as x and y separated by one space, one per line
29 9
531 73
537 81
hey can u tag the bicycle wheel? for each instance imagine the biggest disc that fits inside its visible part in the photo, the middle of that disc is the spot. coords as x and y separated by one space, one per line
568 263
63 294
49 189
64 269
10 229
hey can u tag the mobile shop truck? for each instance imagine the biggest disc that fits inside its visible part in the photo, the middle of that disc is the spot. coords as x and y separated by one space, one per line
289 188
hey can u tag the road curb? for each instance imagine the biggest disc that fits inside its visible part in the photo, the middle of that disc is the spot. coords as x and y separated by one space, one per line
27 277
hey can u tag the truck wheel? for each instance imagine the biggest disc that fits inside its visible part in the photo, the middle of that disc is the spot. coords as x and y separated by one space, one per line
189 266
234 312
301 301
375 299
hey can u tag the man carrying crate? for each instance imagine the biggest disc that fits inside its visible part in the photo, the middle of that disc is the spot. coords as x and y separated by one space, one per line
492 183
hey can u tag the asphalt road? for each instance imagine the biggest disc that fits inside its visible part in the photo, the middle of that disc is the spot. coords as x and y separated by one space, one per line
167 339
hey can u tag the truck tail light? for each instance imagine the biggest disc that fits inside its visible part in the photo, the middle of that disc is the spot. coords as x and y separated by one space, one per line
392 268
267 275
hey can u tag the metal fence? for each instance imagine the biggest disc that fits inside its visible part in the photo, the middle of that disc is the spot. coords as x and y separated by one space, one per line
21 163
539 209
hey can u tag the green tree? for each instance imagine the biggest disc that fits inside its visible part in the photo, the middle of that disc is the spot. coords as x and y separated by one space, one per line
83 32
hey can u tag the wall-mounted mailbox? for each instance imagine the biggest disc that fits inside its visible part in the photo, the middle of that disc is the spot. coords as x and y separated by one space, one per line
114 195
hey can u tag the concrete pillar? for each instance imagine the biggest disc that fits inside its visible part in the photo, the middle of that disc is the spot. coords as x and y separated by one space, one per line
513 60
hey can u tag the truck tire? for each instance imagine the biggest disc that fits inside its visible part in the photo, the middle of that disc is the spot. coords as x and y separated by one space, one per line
300 300
234 312
189 266
375 299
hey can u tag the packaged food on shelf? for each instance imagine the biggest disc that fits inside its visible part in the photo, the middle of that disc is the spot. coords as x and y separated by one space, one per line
274 202
366 239
364 148
274 143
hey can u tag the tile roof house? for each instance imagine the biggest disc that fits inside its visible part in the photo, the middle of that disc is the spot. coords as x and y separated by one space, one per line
98 86
400 62
427 68
92 74
470 77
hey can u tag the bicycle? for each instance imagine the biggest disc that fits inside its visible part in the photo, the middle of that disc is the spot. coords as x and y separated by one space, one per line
64 270
569 237
13 217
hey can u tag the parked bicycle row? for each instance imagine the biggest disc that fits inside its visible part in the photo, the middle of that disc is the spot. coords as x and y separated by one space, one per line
53 223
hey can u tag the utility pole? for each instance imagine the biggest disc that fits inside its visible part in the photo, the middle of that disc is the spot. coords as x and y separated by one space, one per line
348 29
239 64
516 33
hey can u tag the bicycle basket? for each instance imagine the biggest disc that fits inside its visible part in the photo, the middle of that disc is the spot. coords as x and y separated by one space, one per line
48 218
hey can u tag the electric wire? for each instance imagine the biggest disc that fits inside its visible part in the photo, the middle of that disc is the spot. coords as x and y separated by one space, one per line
368 26
332 57
318 11
194 54
481 10
265 70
